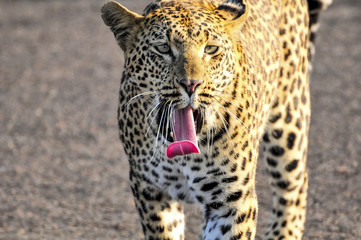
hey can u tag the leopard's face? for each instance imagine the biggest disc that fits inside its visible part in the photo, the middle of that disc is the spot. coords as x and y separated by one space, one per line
175 45
178 51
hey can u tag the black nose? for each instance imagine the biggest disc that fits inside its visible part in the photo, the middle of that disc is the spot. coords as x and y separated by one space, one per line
190 85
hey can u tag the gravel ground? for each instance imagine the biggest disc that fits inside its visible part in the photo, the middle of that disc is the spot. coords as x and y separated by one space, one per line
63 174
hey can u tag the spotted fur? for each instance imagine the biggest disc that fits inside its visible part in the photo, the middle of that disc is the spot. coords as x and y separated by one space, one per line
249 60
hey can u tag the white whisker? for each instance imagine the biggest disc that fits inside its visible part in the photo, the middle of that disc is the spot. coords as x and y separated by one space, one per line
159 107
235 117
232 104
158 133
224 124
169 117
137 97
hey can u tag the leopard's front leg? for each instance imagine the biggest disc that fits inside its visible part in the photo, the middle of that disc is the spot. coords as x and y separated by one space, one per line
232 219
161 217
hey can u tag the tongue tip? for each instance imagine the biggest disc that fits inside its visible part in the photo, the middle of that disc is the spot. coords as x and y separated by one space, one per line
181 148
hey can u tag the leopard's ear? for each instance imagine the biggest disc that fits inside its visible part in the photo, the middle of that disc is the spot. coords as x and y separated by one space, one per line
122 22
233 11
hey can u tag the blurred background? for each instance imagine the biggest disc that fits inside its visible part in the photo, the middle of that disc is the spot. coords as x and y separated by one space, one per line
63 174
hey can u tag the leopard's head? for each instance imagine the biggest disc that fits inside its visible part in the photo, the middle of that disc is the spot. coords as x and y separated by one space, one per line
183 55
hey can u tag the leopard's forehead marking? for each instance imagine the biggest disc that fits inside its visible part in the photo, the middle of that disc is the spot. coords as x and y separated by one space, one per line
180 22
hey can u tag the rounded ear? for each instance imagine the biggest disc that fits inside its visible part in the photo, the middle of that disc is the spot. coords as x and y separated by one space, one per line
122 22
233 11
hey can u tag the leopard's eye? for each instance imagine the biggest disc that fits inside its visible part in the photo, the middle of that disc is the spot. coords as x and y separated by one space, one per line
211 49
163 48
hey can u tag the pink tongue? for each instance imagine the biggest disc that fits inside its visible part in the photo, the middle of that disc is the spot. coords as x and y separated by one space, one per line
185 139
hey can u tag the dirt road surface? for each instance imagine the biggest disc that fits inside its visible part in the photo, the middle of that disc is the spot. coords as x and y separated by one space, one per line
63 174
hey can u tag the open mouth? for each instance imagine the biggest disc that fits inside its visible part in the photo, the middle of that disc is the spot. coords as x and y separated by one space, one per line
181 129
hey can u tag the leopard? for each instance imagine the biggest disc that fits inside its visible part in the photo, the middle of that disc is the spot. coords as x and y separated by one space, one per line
209 87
